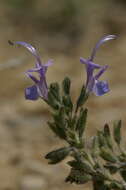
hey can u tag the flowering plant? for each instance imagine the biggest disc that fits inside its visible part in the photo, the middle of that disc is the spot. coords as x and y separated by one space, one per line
102 158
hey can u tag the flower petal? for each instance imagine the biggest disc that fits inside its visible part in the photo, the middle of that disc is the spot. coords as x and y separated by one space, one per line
88 62
42 88
31 93
32 77
100 88
102 70
34 69
100 42
41 69
31 49
49 63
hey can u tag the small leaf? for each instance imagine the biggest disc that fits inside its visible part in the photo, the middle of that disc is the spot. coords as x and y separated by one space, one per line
106 130
81 123
82 98
116 185
52 101
72 122
123 174
117 131
58 155
78 177
66 86
84 165
108 155
113 168
95 147
101 139
107 136
74 164
59 118
67 103
54 90
60 132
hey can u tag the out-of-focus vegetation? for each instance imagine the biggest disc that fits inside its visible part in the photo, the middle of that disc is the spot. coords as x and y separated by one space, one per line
67 20
49 17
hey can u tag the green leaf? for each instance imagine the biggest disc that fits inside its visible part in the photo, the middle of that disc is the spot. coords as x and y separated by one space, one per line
60 123
123 174
78 177
52 101
72 122
59 118
66 86
101 139
58 155
106 130
99 184
81 165
107 136
55 90
107 155
82 98
95 147
116 185
67 103
117 131
81 123
113 168
60 132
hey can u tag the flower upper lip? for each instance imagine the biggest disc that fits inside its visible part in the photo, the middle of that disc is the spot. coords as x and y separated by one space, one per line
99 43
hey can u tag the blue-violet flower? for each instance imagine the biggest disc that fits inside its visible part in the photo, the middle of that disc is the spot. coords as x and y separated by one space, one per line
99 88
40 88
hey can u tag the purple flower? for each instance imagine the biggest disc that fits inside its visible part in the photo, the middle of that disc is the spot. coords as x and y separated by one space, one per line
93 84
39 89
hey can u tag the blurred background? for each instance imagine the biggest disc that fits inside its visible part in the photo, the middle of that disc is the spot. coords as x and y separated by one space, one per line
62 30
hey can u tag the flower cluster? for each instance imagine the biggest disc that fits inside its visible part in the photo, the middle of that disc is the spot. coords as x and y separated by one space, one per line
40 87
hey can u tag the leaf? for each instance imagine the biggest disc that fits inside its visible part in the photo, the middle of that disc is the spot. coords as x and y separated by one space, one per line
107 136
66 86
101 139
58 155
67 103
78 177
123 174
72 122
113 168
84 165
55 90
95 147
59 118
52 101
107 155
82 98
116 185
81 123
106 130
60 132
117 131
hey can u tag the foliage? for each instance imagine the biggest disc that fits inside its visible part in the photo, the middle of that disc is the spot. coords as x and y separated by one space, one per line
98 161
